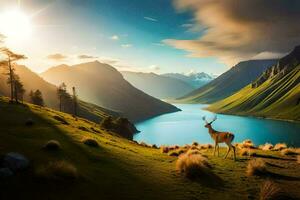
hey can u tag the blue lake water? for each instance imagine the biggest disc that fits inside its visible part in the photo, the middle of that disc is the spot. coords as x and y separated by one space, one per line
187 126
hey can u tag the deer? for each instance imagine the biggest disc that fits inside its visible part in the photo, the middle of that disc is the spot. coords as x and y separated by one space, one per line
220 137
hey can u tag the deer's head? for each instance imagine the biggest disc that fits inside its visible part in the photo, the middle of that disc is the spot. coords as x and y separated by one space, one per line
208 124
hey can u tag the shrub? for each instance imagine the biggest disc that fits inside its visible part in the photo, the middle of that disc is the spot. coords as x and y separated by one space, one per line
207 146
289 152
90 142
180 151
256 167
52 145
279 146
271 191
193 166
57 170
195 144
154 146
144 144
82 128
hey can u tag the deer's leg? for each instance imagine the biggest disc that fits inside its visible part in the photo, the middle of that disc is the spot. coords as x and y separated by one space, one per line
227 152
215 148
233 147
218 150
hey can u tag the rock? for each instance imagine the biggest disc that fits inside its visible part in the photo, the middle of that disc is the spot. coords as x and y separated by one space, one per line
15 161
5 172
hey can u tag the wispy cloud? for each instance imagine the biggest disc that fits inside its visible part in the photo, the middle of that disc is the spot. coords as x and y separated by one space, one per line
233 32
154 67
126 45
115 37
57 57
151 19
158 44
83 56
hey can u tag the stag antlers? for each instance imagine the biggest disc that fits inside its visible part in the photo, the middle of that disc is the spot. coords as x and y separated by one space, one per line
214 119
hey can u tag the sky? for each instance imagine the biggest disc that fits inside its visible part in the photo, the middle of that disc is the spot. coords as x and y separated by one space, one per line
158 36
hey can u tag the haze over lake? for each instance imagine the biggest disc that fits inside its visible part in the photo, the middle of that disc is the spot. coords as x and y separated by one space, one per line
187 126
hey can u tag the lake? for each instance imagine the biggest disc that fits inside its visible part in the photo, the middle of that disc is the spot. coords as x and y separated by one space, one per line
187 126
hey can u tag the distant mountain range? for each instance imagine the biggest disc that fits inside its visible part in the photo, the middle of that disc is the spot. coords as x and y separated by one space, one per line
162 87
275 93
229 82
196 80
103 85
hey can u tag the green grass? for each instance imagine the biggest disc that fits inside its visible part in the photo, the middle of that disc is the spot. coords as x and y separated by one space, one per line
276 98
118 168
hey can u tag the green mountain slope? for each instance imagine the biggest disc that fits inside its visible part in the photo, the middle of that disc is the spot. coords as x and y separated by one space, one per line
158 86
117 169
275 94
228 83
103 85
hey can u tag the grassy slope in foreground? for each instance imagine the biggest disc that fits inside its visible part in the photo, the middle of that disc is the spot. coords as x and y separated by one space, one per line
117 169
274 99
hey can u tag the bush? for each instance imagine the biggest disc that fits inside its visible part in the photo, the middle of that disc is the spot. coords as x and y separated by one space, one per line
193 151
58 170
154 146
52 145
195 144
173 153
193 166
271 191
82 128
279 146
164 149
144 144
289 152
207 146
256 167
91 142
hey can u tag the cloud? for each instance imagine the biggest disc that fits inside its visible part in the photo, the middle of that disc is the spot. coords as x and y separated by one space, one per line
114 37
126 45
57 57
85 57
150 19
159 44
239 30
154 67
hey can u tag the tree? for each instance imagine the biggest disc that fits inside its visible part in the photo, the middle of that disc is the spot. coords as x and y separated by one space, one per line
11 58
74 102
36 97
107 122
63 96
20 90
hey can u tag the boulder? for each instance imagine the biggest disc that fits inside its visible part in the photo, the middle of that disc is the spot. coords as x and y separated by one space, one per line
15 161
5 172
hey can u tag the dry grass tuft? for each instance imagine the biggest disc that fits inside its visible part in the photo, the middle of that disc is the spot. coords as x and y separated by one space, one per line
248 144
52 145
244 152
271 191
193 166
256 167
90 142
58 170
173 153
280 146
193 151
266 147
290 152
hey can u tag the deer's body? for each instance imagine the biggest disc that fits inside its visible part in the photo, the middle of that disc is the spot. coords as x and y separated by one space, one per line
220 137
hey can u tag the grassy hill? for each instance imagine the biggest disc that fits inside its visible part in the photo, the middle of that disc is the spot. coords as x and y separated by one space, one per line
158 86
228 83
275 94
103 85
118 168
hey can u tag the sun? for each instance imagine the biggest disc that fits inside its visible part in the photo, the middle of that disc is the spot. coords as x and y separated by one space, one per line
15 25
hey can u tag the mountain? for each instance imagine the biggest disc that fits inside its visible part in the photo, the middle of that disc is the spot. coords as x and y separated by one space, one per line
158 86
229 82
275 94
194 79
32 81
103 85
